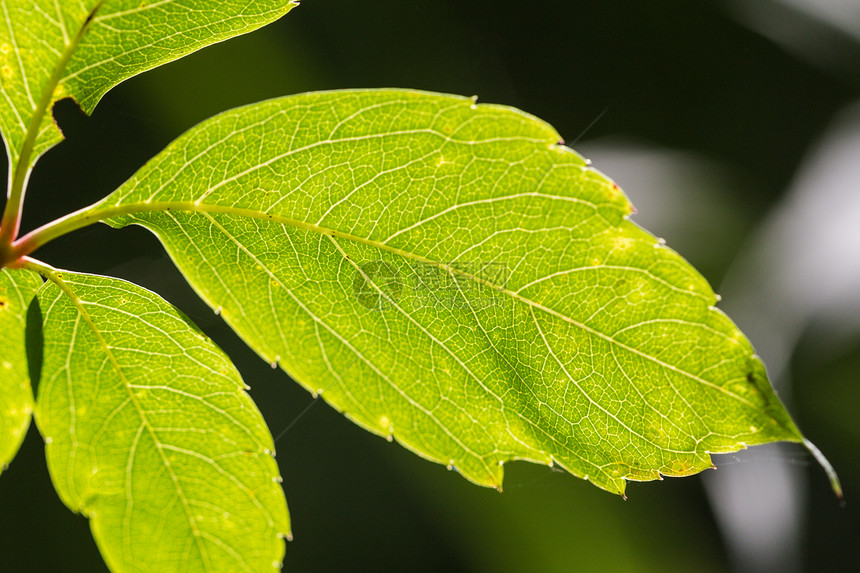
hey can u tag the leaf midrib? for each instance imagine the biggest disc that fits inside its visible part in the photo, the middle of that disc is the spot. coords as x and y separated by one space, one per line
68 291
105 213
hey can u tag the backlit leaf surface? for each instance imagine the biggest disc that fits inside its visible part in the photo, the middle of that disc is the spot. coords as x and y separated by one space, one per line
17 288
450 275
150 434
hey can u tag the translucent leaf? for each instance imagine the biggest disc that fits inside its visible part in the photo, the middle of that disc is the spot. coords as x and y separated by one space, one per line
150 434
450 275
51 49
17 289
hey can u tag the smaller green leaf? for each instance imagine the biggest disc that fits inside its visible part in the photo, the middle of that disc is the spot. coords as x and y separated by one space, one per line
150 434
53 49
17 288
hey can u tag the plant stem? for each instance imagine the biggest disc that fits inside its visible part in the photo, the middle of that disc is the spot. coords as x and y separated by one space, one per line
57 228
11 222
47 271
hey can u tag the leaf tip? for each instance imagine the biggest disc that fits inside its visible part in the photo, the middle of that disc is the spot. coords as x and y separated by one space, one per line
835 484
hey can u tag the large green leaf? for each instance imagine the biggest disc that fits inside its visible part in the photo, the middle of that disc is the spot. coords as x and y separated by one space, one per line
17 288
51 49
150 434
450 275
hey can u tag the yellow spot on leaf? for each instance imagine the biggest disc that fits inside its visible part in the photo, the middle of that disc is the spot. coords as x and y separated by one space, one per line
622 243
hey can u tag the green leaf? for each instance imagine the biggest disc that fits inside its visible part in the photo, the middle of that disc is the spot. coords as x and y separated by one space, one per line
52 49
150 434
17 288
450 275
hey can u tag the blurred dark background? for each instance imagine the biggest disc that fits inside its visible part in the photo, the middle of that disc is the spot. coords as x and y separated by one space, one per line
729 124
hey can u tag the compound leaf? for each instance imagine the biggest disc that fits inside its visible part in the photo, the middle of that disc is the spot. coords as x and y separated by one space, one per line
52 49
448 274
17 288
150 434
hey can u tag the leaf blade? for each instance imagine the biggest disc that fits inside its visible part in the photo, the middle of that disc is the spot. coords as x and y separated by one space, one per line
17 289
380 243
149 433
